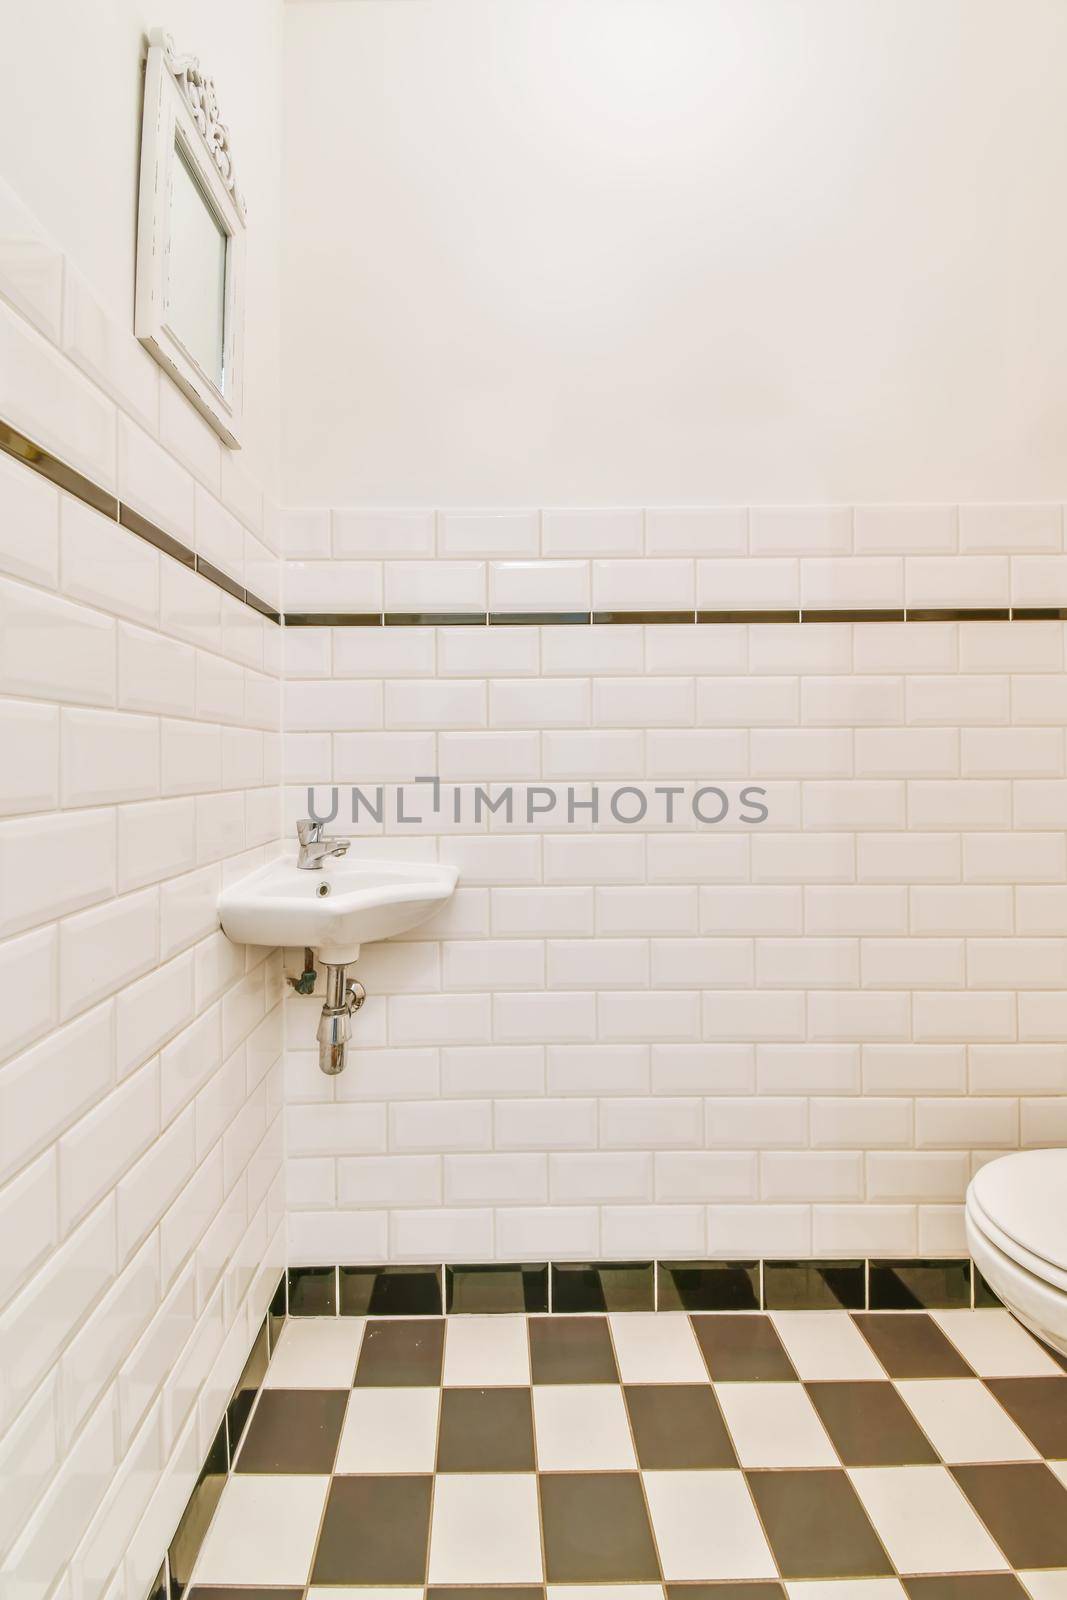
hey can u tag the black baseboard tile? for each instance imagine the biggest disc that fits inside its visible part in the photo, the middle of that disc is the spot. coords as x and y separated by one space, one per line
814 1286
276 1313
497 1288
390 1291
920 1285
311 1291
708 1285
196 1518
985 1297
248 1386
579 1286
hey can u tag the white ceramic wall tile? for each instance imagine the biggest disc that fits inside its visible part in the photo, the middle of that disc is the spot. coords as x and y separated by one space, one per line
29 525
30 621
98 1142
692 531
652 585
508 534
516 586
578 533
47 398
31 266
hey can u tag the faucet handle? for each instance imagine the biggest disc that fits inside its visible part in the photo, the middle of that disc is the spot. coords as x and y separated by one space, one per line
309 832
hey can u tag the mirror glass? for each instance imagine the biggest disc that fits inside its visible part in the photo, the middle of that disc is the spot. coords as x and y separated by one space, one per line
196 271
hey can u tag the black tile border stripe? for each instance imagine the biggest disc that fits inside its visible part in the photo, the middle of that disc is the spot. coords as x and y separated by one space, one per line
848 1283
46 465
133 522
630 619
34 456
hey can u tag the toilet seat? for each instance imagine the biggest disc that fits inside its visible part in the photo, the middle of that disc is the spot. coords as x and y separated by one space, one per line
1016 1222
1024 1196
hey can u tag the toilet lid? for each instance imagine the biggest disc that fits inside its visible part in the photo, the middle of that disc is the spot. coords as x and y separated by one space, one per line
1025 1195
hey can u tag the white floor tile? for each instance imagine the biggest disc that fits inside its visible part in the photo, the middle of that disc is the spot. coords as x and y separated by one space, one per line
389 1430
706 1527
1060 1469
925 1521
1045 1585
774 1425
657 1347
264 1530
995 1344
485 1529
316 1353
964 1422
844 1589
826 1344
582 1428
486 1352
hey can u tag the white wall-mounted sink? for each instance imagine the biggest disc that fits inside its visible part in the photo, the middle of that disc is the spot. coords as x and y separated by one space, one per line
333 908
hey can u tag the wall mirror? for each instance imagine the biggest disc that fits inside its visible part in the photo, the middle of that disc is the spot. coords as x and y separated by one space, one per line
190 238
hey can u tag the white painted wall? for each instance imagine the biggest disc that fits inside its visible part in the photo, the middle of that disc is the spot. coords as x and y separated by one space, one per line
670 251
70 123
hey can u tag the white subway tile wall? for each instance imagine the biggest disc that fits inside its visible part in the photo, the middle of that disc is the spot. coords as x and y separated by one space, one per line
142 1193
725 1038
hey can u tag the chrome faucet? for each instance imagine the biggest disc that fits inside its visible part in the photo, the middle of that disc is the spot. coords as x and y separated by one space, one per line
315 845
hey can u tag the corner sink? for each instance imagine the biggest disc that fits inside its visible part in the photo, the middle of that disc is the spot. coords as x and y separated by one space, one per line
334 908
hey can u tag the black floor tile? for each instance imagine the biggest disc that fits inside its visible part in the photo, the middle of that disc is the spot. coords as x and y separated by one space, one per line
724 1591
920 1285
742 1349
1025 1509
443 1591
375 1531
814 1285
602 1286
294 1430
571 1350
390 1291
312 1292
966 1586
870 1426
911 1346
486 1430
596 1528
400 1353
816 1526
678 1425
709 1286
217 1591
485 1290
1039 1406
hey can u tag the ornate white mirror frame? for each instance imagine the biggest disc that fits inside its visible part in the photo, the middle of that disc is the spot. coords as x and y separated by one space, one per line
181 128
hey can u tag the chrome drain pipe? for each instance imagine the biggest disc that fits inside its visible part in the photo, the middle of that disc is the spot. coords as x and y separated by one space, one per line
343 999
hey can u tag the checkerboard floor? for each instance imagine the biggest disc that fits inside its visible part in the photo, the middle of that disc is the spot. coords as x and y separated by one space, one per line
801 1454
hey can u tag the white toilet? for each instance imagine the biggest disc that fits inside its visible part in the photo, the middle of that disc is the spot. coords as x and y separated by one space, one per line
1017 1235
